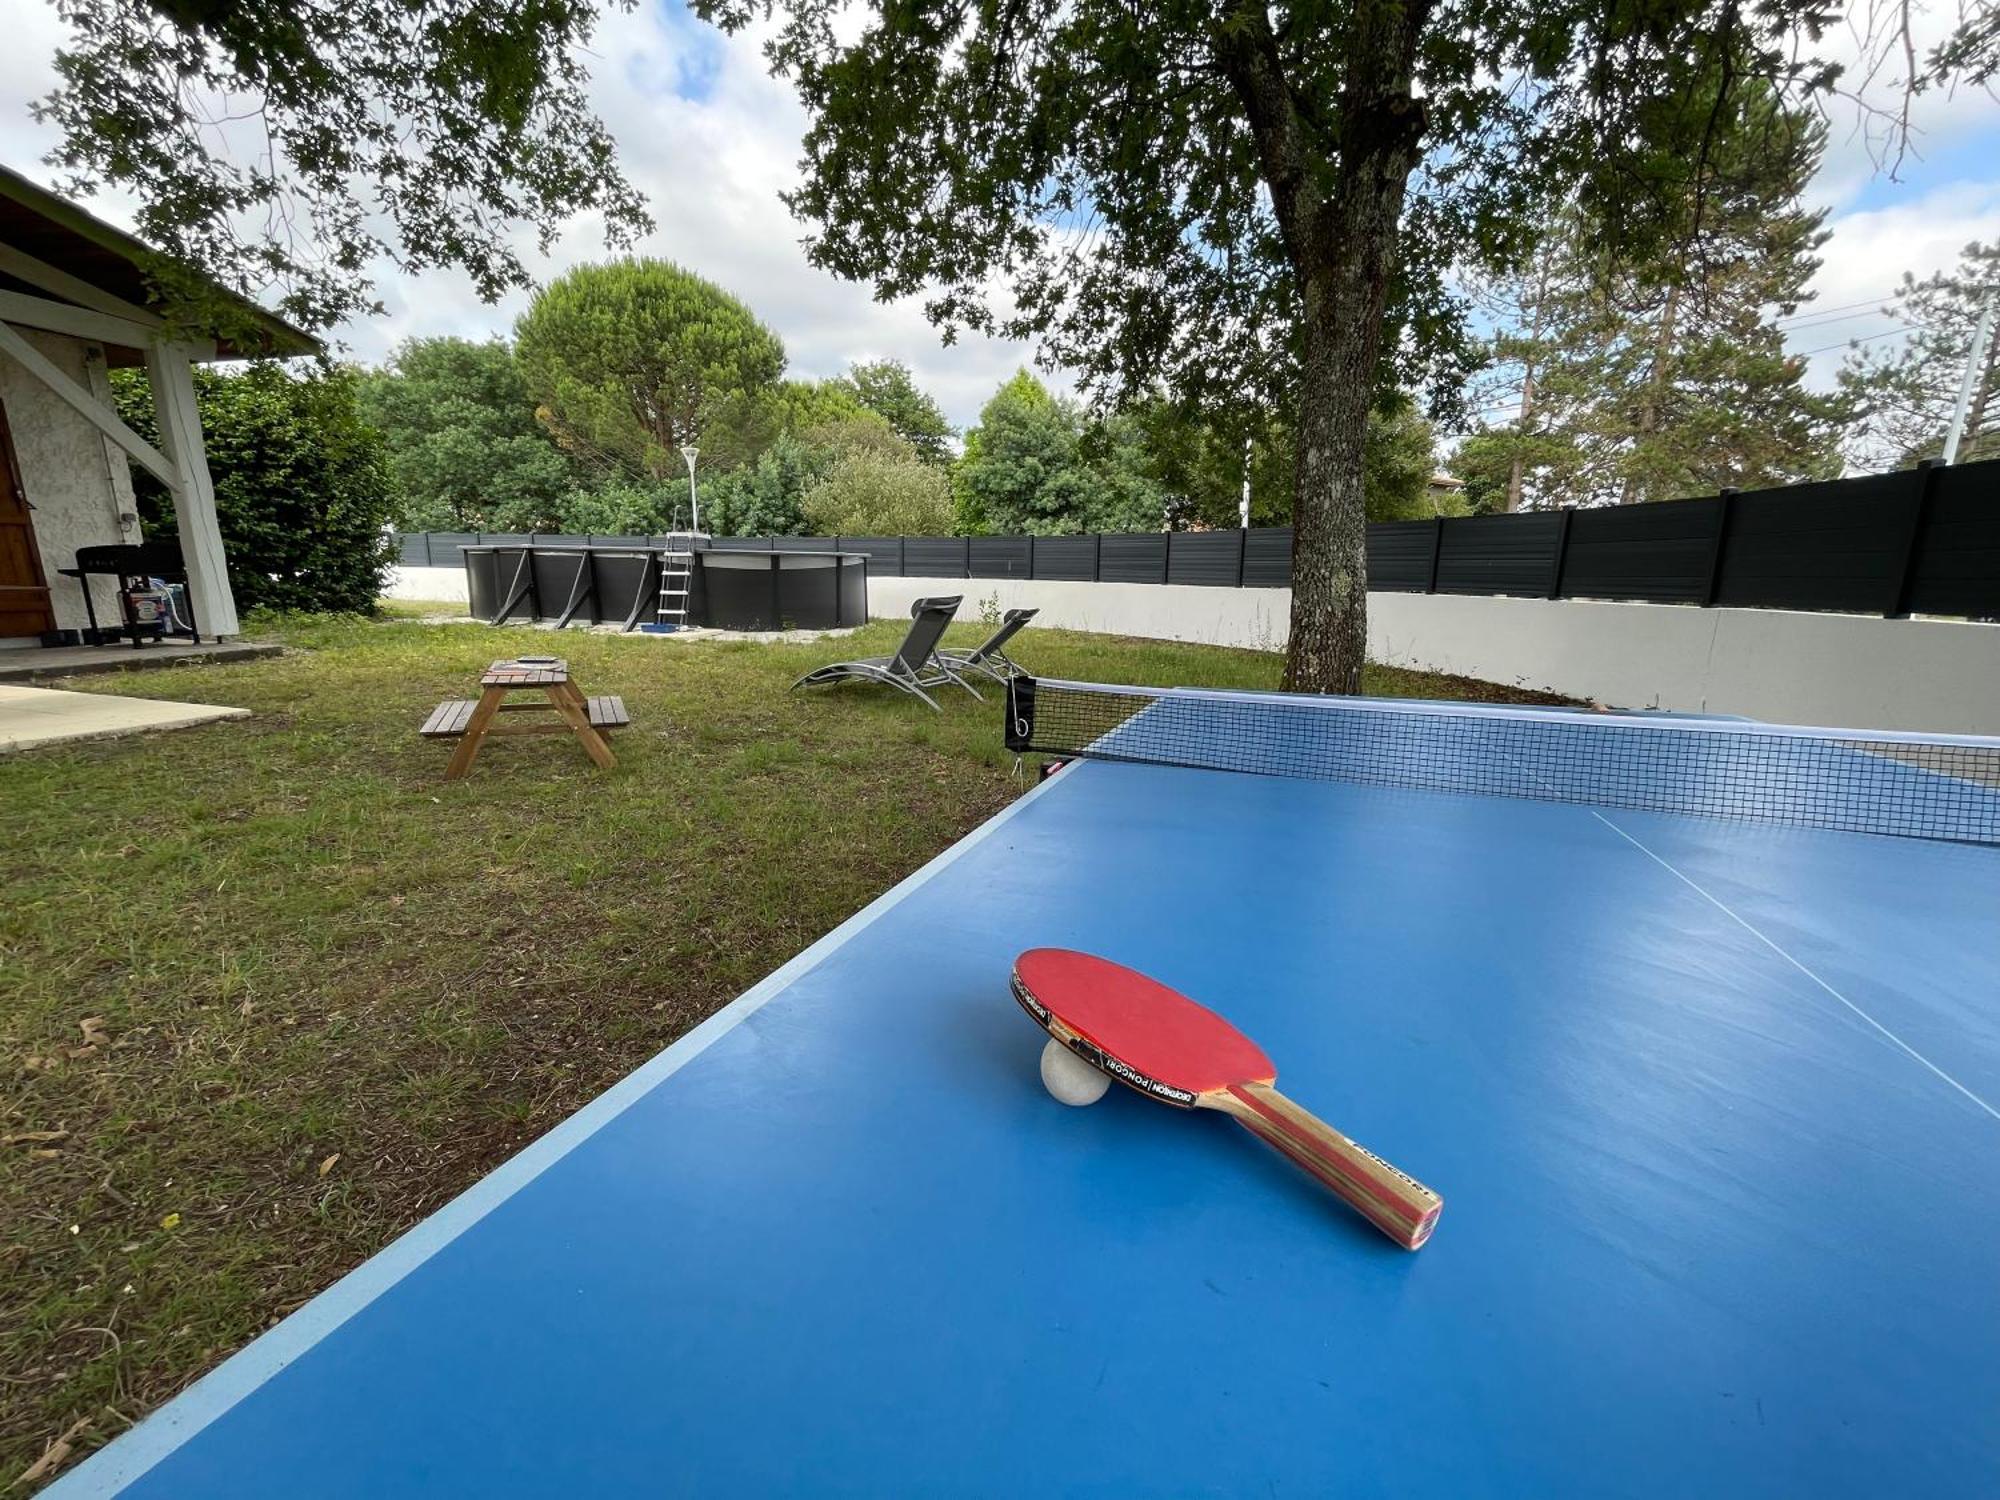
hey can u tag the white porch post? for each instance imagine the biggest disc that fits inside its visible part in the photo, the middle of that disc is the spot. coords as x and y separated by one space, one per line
171 376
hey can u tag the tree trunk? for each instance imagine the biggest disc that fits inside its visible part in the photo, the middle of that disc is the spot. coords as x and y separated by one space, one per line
1656 379
1339 228
1329 624
1517 470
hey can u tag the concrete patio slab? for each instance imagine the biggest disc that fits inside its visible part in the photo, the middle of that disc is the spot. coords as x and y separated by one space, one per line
34 663
32 717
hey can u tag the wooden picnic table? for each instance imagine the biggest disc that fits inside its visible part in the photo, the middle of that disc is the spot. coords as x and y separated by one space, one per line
470 720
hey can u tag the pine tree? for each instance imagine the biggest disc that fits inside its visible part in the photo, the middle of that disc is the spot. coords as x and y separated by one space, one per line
1904 396
1649 378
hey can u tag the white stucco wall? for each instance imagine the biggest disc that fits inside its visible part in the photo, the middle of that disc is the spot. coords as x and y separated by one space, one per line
1256 618
1784 666
77 492
425 583
1846 671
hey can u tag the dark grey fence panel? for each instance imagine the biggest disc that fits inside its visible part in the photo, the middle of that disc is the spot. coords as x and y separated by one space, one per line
446 547
936 557
1000 556
1065 558
884 553
504 538
1267 557
1133 557
1914 541
1205 557
1835 546
1498 554
1399 556
1660 553
1956 569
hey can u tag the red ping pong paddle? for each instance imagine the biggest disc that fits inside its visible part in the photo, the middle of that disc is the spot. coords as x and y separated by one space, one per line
1161 1043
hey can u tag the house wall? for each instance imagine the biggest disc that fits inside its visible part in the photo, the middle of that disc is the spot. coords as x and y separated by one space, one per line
78 492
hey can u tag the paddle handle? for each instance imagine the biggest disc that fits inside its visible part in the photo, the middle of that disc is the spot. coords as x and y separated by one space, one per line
1393 1201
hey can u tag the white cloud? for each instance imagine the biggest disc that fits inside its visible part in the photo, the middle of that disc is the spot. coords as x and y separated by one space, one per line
1866 257
711 170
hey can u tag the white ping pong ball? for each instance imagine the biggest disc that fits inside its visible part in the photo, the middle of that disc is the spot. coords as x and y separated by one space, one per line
1069 1077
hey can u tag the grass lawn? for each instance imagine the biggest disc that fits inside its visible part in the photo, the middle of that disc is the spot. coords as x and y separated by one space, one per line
270 990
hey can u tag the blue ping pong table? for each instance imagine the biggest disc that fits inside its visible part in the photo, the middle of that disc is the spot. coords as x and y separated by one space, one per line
1711 1102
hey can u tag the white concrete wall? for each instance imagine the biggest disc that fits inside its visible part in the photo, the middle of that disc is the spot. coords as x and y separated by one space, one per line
1846 671
1783 666
78 494
425 583
1256 618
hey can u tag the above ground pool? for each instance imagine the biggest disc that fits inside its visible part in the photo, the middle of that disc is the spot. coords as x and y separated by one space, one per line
728 588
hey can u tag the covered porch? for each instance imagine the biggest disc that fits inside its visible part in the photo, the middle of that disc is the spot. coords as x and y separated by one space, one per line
76 302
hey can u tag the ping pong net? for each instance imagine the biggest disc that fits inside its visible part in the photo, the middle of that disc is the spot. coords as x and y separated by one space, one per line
1916 786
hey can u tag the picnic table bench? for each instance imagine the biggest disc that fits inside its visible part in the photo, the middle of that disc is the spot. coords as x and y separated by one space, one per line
470 720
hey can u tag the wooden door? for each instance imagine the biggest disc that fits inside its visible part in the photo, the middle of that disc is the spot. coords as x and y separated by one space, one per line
24 587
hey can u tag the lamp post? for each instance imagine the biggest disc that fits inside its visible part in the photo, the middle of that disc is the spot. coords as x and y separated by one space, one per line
1975 367
694 502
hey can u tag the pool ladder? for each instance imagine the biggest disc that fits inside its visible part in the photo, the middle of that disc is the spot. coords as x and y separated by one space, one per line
676 577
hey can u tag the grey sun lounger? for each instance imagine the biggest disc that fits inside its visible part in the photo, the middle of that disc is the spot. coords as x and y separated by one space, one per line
916 664
989 657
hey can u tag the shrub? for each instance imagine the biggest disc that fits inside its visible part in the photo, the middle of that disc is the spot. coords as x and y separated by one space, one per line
870 493
302 491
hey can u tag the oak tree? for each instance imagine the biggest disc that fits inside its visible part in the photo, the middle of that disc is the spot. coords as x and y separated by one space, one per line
1251 202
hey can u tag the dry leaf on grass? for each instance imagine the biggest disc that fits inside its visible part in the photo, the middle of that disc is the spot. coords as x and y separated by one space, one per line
94 1034
327 1165
33 1137
53 1459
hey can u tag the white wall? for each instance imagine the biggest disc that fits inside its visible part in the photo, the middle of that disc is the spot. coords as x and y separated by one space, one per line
1784 666
1847 671
78 492
425 583
1256 618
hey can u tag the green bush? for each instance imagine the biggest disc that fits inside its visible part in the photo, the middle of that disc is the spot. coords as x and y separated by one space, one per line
619 510
872 493
302 491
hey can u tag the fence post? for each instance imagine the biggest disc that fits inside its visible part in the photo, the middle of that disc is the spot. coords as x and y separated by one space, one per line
1437 549
1561 553
1097 557
1898 602
1724 510
429 561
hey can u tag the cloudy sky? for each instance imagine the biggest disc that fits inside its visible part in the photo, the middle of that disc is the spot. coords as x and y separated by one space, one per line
711 140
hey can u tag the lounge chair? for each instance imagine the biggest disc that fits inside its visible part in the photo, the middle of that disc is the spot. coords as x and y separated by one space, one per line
916 664
987 658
